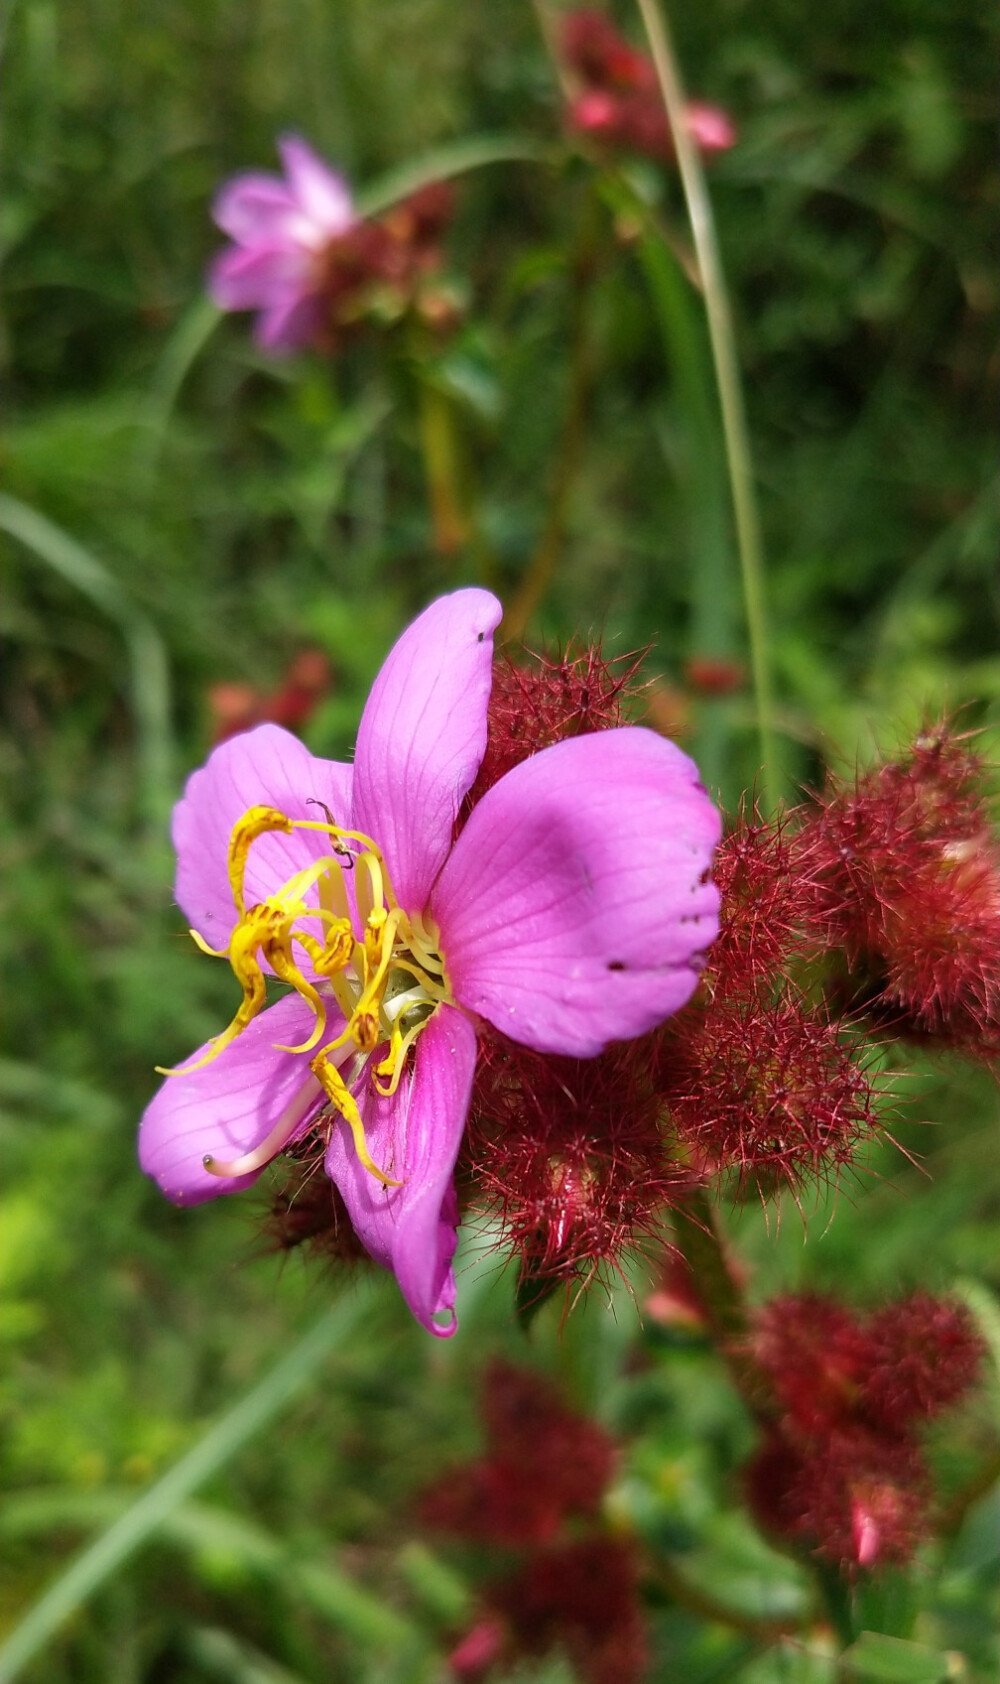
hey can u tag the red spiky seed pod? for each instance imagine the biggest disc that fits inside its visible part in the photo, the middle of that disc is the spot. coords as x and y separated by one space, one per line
902 872
582 1597
769 1092
816 1355
545 1463
853 1498
544 699
761 917
926 1353
568 1157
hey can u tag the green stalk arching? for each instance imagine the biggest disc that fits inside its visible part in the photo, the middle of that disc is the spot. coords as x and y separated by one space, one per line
720 329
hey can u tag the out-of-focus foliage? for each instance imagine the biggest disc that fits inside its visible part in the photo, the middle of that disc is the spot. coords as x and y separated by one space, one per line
207 512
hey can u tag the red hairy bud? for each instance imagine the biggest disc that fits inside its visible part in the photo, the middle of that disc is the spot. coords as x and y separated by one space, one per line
761 905
619 102
767 1091
816 1355
544 1463
902 872
306 1209
547 699
926 1354
583 1597
855 1499
567 1155
593 48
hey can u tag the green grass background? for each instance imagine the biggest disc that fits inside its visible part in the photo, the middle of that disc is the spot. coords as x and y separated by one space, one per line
177 509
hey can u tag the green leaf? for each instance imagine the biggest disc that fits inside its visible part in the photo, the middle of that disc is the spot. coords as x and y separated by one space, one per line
875 1659
443 162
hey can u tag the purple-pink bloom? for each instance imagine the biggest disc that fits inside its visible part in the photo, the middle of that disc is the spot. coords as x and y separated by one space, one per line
281 229
572 910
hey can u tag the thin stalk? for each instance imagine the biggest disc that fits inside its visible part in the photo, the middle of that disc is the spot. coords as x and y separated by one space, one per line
449 522
697 1236
727 376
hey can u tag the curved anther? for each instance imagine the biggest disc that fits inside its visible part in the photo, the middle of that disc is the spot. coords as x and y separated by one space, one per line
256 821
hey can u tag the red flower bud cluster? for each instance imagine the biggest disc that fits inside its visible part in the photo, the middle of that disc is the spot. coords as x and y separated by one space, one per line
760 1084
547 698
376 270
901 871
618 102
544 1464
545 1467
569 1158
842 1471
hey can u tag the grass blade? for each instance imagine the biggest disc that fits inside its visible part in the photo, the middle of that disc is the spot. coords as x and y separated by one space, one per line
102 1558
150 676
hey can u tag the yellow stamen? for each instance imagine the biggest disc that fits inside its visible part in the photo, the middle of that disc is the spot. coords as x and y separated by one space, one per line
339 1095
386 983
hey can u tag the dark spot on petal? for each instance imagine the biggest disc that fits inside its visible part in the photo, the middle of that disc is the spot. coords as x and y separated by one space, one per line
616 965
480 638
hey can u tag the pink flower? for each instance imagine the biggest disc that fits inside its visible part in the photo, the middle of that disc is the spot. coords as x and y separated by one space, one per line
571 911
281 230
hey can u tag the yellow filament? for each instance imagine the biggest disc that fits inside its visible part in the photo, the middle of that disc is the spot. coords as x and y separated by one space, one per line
339 1095
394 1065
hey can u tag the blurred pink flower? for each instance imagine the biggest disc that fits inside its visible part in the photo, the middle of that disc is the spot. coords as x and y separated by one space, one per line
572 910
281 229
618 101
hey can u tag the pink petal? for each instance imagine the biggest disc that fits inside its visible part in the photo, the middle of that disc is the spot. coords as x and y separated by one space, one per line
415 1138
264 767
228 1107
254 208
422 736
575 905
288 324
256 278
324 197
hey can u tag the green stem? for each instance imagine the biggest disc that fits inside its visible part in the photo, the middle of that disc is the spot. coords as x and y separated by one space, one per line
721 336
837 1599
726 1313
449 522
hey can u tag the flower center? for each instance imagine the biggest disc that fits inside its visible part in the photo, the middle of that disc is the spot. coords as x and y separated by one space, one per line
386 981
